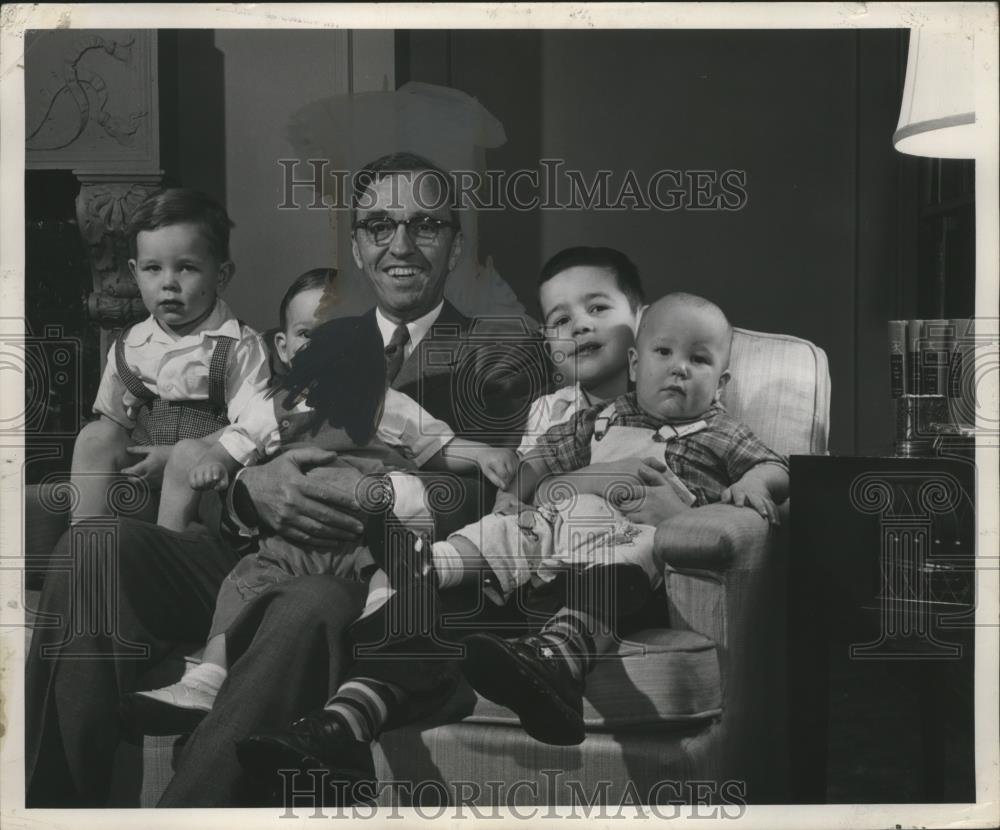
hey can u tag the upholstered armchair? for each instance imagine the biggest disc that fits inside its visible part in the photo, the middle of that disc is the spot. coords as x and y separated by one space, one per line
694 712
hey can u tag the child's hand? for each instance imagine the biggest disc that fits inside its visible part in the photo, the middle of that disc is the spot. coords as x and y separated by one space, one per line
209 475
498 466
748 493
150 466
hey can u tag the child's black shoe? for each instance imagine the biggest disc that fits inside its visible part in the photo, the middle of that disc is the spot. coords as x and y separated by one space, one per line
529 677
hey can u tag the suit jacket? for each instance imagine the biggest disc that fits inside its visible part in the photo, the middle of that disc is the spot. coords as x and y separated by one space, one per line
479 376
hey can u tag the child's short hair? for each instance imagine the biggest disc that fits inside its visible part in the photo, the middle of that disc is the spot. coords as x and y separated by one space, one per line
626 274
179 206
313 278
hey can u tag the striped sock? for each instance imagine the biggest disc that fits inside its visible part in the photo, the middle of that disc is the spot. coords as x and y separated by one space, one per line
571 635
363 706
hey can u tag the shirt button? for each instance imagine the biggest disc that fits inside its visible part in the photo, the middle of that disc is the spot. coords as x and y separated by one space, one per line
285 423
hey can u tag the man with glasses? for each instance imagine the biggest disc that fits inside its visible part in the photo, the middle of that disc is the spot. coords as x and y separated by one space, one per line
287 649
406 239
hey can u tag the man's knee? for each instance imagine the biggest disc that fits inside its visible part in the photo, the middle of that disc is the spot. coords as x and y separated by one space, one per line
84 578
309 599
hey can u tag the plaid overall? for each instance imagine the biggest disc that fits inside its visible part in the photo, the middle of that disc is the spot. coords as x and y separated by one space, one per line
160 422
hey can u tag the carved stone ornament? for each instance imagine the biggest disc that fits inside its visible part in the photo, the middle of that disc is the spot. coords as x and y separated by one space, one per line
91 99
104 207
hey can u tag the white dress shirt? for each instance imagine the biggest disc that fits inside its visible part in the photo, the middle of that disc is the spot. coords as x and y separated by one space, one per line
177 368
410 503
417 328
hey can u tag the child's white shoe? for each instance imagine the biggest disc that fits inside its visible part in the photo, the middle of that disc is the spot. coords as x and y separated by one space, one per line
176 709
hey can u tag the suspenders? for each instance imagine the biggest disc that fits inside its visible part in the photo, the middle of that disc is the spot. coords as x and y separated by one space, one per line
216 372
129 378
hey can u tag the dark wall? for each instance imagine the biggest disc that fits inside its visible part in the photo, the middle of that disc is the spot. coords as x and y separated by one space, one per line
503 70
192 110
822 247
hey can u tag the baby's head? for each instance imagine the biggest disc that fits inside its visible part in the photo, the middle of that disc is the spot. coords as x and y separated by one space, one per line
179 255
681 357
590 299
297 312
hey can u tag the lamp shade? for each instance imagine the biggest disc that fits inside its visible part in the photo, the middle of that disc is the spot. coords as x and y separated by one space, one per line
938 112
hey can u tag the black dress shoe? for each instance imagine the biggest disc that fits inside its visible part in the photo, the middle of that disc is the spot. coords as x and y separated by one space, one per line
525 675
316 742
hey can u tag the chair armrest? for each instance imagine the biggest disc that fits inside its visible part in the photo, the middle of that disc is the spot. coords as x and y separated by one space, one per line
717 537
723 571
724 577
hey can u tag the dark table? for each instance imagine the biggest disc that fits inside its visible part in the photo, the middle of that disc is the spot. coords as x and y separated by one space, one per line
882 578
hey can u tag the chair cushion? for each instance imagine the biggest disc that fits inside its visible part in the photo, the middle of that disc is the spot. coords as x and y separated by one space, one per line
780 388
658 677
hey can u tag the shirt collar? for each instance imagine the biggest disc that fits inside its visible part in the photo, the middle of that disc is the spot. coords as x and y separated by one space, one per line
417 328
221 322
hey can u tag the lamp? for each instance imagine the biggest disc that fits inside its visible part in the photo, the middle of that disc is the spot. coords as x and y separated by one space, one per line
937 117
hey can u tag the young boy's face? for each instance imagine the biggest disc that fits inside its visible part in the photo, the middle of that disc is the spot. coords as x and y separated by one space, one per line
679 360
589 325
300 318
179 275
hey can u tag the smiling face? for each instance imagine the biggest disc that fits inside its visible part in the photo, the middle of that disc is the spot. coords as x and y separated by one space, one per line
680 358
300 319
589 325
179 275
408 277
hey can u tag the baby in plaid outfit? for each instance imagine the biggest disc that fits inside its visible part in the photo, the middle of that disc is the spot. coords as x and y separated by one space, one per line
187 370
679 365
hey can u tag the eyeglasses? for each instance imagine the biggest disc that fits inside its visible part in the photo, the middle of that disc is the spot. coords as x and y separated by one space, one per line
381 229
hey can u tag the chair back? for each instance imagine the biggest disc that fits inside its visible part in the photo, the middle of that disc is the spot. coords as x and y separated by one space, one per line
780 388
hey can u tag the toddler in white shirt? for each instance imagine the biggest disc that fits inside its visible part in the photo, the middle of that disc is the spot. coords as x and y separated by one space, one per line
187 370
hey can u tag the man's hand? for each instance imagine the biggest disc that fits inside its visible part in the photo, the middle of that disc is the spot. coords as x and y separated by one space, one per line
626 480
150 466
748 492
655 500
498 465
653 505
303 501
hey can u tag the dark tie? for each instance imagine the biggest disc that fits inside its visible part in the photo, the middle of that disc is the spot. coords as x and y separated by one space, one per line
394 352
